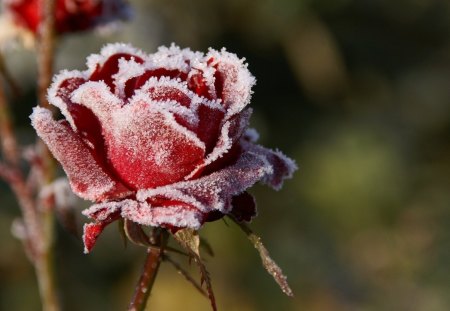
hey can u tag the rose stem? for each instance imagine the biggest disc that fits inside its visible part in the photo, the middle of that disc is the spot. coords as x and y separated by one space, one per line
34 241
44 261
148 275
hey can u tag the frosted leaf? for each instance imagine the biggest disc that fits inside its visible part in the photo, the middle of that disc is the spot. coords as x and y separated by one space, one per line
87 178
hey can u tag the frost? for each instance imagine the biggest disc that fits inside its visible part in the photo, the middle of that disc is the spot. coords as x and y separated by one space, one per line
179 216
174 58
158 150
102 211
55 99
160 137
214 192
237 79
87 177
109 50
230 133
98 98
61 192
251 135
283 166
127 69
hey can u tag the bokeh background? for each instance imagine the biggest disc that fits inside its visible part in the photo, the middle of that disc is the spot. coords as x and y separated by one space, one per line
358 92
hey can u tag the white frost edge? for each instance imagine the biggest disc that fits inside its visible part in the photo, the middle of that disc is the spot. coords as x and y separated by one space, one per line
96 96
109 50
55 100
153 105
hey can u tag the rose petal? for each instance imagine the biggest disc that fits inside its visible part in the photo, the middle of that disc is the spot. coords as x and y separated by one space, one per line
283 167
106 71
87 177
215 191
171 214
226 149
244 207
148 148
233 81
97 97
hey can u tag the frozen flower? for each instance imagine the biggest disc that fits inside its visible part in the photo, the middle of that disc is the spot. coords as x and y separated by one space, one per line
159 139
22 18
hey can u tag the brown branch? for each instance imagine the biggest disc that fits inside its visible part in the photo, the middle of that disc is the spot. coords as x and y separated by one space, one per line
151 266
45 58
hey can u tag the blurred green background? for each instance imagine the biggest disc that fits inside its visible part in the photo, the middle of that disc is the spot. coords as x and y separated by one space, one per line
358 92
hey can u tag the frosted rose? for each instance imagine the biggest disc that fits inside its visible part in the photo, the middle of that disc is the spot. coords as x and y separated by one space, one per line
159 139
70 15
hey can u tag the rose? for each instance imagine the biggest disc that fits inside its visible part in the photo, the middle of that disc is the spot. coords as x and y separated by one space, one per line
70 15
159 139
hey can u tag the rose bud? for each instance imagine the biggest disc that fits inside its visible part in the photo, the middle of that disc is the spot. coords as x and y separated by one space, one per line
159 139
70 15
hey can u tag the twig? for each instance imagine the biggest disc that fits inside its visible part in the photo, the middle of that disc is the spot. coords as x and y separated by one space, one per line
44 262
149 272
184 273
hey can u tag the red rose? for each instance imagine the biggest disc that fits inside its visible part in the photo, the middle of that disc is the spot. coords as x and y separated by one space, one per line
70 15
159 139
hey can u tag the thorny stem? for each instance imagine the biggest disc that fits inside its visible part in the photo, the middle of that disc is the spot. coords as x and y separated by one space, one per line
144 285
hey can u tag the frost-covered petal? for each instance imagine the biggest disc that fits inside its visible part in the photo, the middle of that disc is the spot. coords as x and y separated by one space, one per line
283 167
87 177
103 214
148 148
244 207
97 97
168 214
215 191
233 81
226 148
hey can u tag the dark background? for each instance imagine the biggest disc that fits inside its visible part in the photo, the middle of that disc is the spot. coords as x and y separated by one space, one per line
358 93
